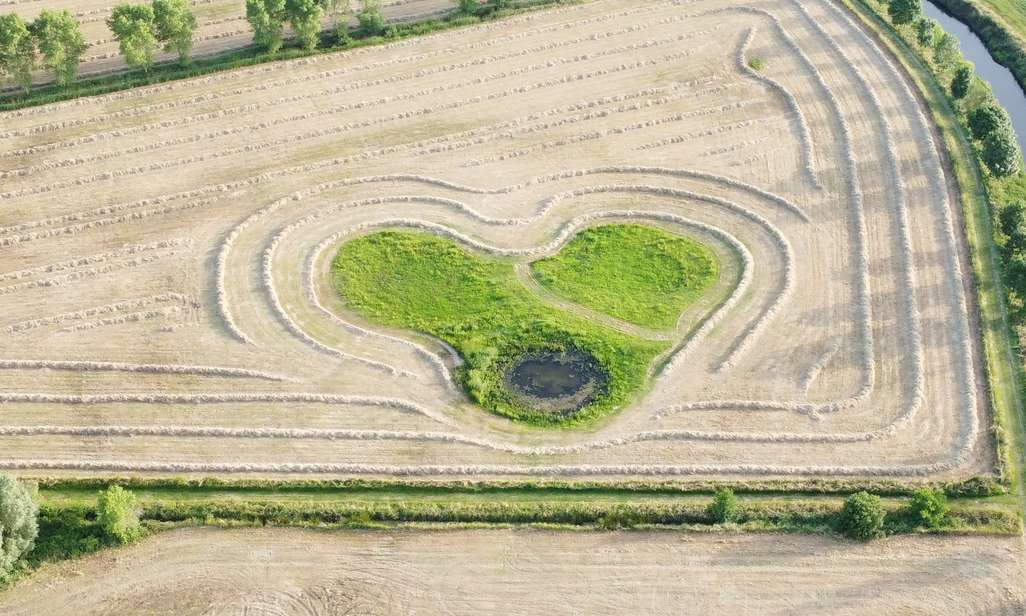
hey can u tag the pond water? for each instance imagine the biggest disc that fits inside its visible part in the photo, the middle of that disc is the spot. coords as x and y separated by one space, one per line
1006 89
554 381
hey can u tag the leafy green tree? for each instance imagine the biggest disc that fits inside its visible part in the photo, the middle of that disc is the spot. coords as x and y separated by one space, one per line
468 7
117 512
928 507
925 29
1012 219
175 26
723 507
1001 152
305 18
134 28
17 50
904 11
60 42
862 516
985 119
339 11
946 51
19 522
267 18
961 81
371 21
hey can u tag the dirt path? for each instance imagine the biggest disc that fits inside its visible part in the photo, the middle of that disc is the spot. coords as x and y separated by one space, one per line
206 571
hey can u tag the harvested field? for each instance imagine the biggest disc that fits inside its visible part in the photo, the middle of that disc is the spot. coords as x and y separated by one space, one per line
165 275
287 572
221 25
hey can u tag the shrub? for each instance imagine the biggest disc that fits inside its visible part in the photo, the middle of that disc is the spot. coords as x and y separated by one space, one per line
925 29
904 11
961 81
267 18
60 42
117 512
370 19
175 26
1001 152
723 507
134 28
19 522
985 119
467 7
17 50
928 507
862 516
756 63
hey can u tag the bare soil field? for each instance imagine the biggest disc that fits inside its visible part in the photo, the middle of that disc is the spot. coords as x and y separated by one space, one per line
165 294
221 25
293 572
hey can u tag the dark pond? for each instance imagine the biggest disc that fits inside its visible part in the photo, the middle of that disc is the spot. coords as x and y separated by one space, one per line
1006 89
554 381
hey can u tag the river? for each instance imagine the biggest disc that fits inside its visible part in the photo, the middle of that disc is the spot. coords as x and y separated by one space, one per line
1006 89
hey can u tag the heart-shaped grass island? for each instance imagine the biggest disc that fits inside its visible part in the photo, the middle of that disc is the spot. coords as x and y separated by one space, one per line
560 340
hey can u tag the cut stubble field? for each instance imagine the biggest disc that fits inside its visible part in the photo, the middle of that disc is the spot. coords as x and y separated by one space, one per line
166 276
265 571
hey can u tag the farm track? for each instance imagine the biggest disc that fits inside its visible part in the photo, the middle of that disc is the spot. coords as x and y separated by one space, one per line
189 228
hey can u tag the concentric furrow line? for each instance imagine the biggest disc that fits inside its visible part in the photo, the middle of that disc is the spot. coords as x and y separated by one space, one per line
109 366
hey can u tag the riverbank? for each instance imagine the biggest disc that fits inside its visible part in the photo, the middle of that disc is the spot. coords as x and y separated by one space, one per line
1006 43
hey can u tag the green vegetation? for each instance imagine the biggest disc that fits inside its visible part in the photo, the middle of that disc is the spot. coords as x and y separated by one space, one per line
117 513
929 507
961 81
305 18
640 274
862 517
372 23
60 42
18 525
904 11
17 50
267 19
175 25
756 63
723 508
1000 24
134 27
476 304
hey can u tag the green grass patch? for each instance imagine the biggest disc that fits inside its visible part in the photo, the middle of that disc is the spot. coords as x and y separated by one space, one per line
637 273
475 303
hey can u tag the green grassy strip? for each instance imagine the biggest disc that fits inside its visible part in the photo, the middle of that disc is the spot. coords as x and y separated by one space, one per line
1004 368
70 530
251 55
429 284
636 273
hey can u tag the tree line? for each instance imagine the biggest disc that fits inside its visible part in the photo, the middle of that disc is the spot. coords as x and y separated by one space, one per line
54 41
